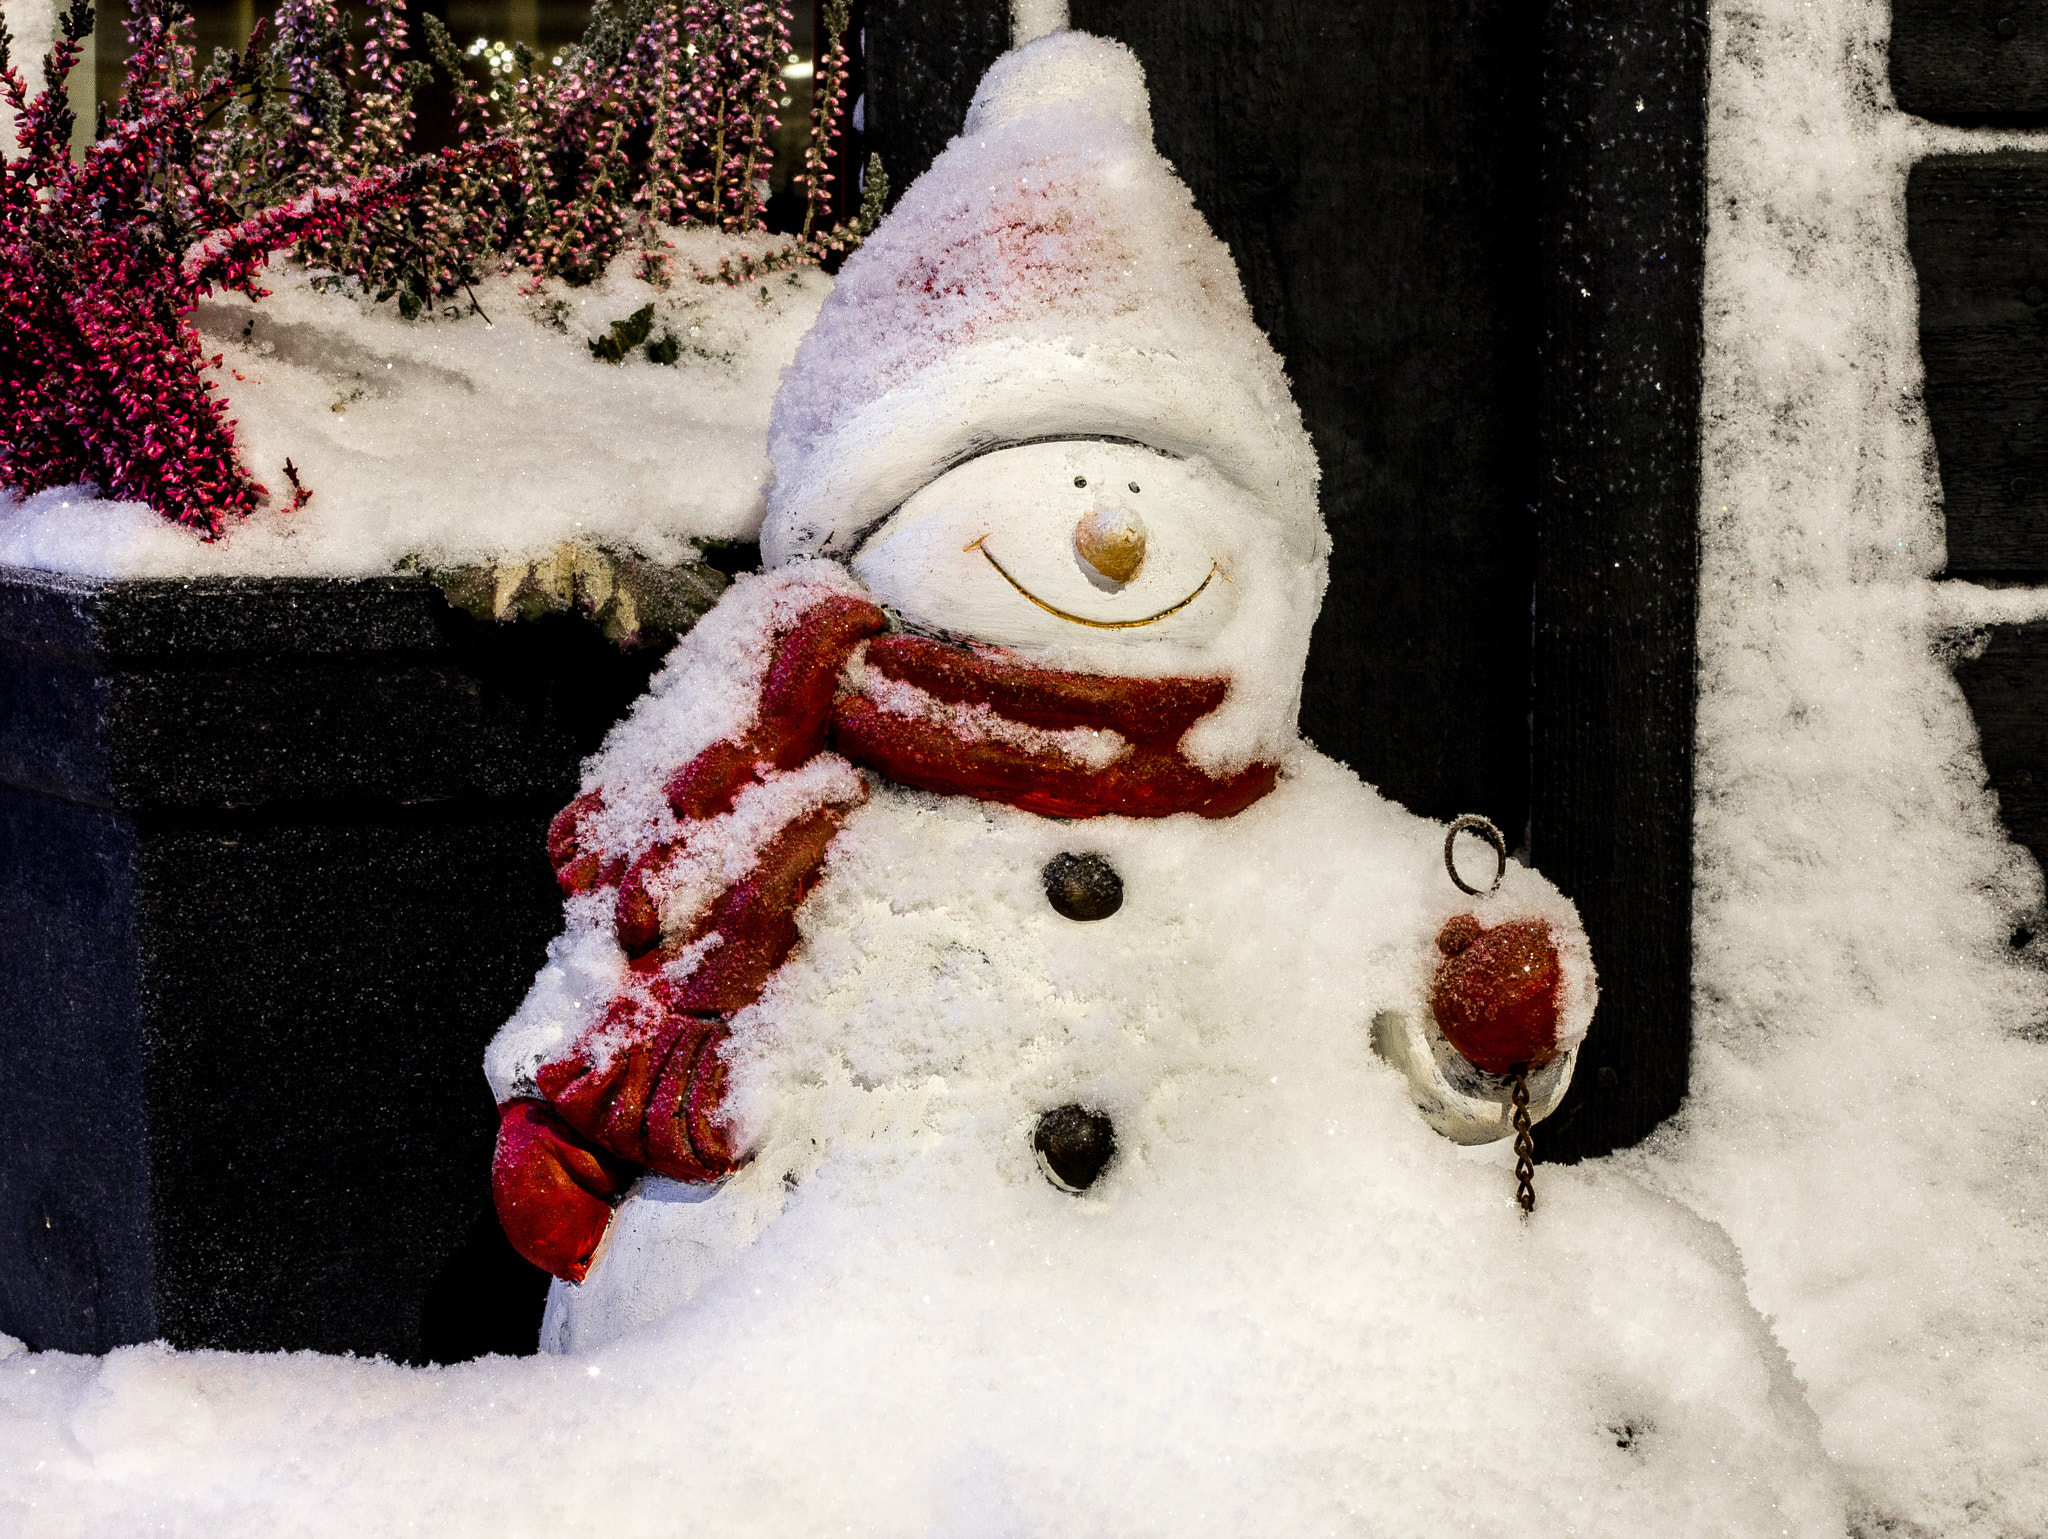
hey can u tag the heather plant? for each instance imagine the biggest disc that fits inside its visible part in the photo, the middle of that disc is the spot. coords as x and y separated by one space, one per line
303 140
660 118
102 260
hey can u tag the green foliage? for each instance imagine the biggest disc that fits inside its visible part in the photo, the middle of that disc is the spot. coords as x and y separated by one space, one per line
624 336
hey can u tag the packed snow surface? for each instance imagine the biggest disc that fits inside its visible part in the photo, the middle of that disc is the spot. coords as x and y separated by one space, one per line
467 438
1196 1357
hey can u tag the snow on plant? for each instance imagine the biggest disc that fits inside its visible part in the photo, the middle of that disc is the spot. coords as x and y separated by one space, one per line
102 260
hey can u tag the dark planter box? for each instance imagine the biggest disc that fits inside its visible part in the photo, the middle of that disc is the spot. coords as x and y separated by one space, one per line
272 872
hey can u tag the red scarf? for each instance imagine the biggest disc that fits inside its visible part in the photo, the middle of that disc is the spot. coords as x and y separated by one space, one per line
644 1088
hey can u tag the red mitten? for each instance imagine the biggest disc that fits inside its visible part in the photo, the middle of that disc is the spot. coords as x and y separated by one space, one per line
1496 992
554 1193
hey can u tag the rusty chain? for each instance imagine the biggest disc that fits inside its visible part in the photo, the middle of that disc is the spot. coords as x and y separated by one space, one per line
1525 1147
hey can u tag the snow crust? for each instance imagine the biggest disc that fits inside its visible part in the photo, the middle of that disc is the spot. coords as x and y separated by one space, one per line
1868 1116
455 442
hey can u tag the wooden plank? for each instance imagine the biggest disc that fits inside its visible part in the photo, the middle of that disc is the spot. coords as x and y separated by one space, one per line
1617 562
1977 228
1972 63
2005 687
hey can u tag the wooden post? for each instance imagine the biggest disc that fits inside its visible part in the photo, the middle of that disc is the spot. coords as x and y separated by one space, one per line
1617 549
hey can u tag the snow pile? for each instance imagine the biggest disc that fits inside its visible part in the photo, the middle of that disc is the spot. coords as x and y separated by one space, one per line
1869 1106
1287 1308
1035 1376
465 441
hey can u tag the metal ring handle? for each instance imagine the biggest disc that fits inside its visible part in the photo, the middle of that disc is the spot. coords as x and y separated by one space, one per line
1472 822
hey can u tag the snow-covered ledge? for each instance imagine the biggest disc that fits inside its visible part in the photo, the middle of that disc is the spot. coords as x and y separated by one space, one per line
495 435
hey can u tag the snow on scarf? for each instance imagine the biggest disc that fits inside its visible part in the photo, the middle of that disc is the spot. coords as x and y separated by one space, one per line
643 1088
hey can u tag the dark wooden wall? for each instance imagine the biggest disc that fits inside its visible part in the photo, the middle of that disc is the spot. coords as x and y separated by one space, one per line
1977 228
1479 256
1977 62
1623 223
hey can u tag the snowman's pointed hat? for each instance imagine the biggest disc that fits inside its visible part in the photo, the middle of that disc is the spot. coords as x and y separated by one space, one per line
1049 277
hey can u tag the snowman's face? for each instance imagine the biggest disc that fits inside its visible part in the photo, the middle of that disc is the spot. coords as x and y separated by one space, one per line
1076 543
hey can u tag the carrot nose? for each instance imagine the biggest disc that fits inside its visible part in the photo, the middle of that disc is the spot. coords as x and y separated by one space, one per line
1112 540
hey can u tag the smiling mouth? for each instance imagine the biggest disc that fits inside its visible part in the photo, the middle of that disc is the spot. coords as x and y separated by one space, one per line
1100 625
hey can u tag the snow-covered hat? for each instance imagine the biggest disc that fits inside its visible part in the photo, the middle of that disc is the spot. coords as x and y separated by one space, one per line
1049 277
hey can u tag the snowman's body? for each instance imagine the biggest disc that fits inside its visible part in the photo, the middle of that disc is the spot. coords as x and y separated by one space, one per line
1287 1305
1035 453
1137 508
938 1005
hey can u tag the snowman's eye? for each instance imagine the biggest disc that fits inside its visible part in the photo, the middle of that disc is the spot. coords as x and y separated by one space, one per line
1134 486
1080 480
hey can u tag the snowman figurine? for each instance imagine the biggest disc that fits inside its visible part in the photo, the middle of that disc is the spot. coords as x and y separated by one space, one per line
976 837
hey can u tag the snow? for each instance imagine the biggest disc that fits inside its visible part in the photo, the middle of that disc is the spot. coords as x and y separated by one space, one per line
1083 296
1869 1072
1033 19
449 442
1035 1377
32 25
1816 1303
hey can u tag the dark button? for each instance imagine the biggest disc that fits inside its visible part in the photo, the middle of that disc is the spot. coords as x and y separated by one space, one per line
1073 1145
1608 1078
2034 296
2008 28
1083 886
